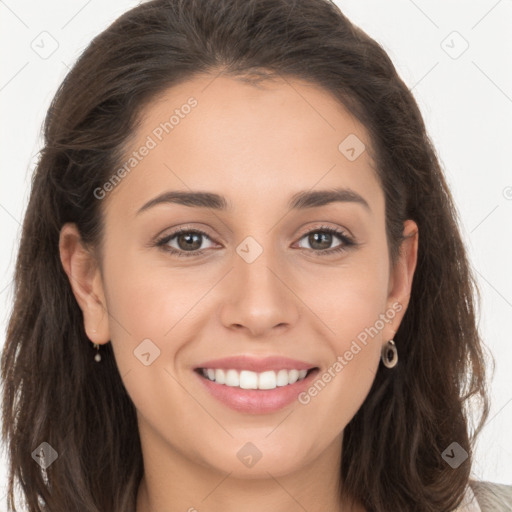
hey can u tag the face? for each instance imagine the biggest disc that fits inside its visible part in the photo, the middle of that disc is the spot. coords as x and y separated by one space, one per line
263 284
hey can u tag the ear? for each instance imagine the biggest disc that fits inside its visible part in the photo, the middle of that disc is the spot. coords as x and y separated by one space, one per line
400 282
86 282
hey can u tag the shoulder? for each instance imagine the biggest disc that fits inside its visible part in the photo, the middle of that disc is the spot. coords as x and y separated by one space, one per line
486 497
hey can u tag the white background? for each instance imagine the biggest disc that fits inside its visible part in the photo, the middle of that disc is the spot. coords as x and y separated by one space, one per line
467 106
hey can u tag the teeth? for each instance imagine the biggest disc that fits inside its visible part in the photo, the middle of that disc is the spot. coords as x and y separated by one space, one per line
293 376
282 378
252 380
232 379
267 380
219 376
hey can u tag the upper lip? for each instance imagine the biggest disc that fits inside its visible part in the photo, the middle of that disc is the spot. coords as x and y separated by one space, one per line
256 364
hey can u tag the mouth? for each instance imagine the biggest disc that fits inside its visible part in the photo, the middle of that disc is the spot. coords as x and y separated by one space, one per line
246 390
246 379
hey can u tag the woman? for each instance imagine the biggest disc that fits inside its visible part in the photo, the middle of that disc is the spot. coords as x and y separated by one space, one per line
238 207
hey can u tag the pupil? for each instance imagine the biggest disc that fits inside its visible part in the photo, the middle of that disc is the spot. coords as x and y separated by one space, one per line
189 237
325 236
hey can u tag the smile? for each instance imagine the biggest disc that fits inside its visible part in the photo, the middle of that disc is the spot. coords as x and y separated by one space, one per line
247 379
255 386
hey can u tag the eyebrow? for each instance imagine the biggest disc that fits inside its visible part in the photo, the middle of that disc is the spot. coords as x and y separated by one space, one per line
299 201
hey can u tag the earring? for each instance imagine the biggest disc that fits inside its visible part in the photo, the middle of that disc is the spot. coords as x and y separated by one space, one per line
389 354
97 357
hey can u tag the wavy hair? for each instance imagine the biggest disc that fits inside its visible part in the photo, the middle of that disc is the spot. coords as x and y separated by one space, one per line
54 392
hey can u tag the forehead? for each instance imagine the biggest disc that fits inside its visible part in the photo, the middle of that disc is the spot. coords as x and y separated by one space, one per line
244 141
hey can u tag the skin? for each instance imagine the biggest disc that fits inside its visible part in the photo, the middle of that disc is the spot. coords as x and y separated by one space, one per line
256 146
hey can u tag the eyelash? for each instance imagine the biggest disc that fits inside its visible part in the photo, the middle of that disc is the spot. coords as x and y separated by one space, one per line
348 242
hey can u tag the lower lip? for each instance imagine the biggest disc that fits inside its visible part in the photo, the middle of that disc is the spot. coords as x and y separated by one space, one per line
257 401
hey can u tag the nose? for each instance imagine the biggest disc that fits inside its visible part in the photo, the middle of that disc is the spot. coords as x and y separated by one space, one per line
259 297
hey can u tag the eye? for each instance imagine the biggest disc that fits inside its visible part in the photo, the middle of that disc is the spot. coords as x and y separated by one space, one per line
188 241
321 238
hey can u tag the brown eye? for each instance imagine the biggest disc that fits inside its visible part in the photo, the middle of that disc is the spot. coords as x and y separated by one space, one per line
321 239
188 242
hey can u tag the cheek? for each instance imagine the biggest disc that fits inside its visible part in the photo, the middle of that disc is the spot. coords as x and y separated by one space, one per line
150 309
353 314
146 302
147 292
349 297
351 305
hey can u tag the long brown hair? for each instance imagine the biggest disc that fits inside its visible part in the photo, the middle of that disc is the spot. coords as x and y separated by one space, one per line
54 392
